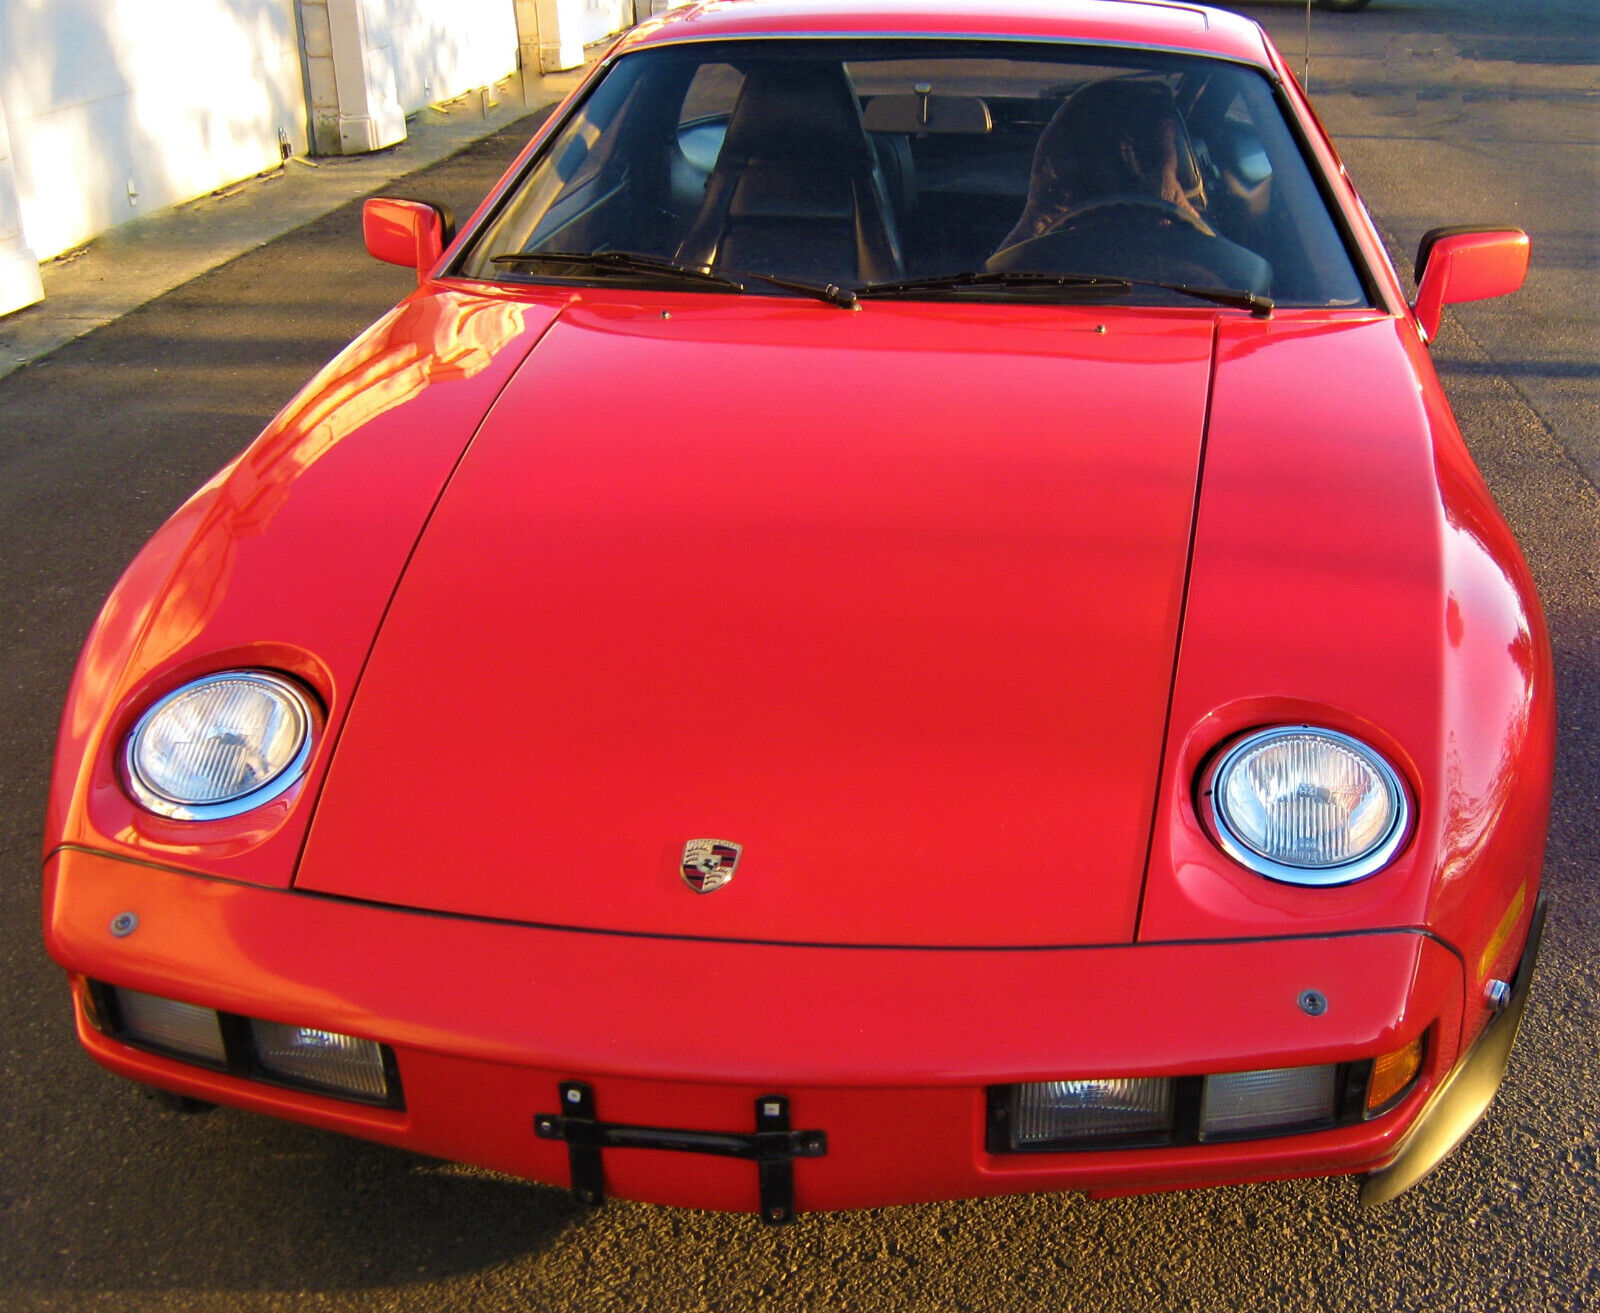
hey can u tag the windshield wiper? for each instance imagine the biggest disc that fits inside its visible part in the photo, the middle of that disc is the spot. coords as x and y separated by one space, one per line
1023 279
636 262
829 292
622 262
1258 305
1018 278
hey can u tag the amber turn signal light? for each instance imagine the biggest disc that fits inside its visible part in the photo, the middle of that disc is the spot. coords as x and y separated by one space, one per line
1392 1075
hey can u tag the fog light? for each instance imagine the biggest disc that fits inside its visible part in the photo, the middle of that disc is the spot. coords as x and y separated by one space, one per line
321 1060
181 1029
1392 1075
1062 1111
1245 1102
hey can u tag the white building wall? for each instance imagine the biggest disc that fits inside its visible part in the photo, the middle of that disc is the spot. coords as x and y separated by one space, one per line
566 26
350 76
119 107
600 18
19 267
443 48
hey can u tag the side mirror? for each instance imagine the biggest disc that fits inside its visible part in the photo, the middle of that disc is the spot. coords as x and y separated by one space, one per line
1466 264
408 233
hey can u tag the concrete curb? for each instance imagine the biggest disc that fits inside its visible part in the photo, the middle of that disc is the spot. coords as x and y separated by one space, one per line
139 261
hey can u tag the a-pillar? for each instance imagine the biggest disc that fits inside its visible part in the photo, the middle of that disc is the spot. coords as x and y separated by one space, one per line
350 75
19 270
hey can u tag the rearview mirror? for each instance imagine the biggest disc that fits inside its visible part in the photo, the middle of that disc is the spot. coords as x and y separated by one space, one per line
1466 264
922 111
408 233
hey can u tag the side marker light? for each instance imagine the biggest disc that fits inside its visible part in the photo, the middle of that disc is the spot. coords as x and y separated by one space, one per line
1392 1075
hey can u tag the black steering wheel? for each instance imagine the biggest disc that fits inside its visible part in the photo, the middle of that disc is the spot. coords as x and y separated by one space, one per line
1156 205
1165 243
1093 214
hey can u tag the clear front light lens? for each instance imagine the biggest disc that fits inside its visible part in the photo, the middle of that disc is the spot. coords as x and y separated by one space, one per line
321 1060
1308 806
1248 1102
163 1023
1068 1111
219 746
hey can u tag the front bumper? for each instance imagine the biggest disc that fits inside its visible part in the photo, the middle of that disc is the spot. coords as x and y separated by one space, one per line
1459 1101
888 1052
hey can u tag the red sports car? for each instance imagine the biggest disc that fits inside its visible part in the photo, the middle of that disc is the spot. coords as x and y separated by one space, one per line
901 615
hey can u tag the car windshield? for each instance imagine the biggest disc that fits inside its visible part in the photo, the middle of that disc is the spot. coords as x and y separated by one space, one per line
924 169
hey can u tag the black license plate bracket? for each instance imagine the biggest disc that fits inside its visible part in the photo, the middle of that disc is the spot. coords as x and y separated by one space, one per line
772 1146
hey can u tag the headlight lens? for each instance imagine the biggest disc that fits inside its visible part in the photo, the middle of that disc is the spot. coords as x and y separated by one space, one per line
1307 806
219 746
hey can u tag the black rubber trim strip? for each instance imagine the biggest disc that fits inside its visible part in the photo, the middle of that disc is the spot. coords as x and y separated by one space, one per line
1464 1095
667 937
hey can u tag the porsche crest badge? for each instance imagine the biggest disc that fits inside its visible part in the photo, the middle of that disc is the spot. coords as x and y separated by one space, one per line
708 863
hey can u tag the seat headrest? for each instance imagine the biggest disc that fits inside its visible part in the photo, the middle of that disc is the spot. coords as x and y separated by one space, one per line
797 110
1108 136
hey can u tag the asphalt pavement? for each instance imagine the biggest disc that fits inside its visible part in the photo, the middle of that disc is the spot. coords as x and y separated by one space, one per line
1446 111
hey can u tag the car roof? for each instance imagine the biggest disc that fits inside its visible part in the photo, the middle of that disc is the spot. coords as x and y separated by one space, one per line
1144 23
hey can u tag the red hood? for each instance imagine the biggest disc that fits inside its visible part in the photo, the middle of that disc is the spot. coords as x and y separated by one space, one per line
888 598
286 559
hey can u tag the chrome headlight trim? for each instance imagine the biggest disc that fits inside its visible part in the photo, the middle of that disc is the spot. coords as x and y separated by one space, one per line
1374 859
163 803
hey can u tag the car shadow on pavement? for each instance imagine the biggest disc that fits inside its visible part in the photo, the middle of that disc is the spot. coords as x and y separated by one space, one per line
310 1210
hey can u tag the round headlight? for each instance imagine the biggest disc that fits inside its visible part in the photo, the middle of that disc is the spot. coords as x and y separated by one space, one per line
219 746
1307 806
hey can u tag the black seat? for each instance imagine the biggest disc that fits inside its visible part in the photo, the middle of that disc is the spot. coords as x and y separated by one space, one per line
796 188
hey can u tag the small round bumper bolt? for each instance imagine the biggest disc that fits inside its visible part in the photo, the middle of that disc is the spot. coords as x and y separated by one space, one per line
124 924
1497 994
